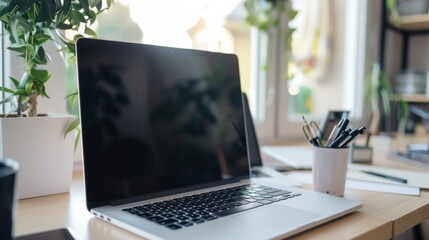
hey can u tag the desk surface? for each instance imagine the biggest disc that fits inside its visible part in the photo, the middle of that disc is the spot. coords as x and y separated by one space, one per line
382 215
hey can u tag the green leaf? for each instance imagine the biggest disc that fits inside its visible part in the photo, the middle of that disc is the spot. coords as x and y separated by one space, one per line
99 5
64 26
14 81
90 32
24 81
21 92
73 97
40 74
24 23
8 99
76 140
92 18
291 14
29 87
40 57
85 6
23 5
77 16
7 9
43 91
94 3
30 49
21 48
72 126
47 11
65 11
4 89
41 37
109 3
75 93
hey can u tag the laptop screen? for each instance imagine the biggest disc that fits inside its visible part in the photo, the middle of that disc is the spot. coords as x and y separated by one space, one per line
157 119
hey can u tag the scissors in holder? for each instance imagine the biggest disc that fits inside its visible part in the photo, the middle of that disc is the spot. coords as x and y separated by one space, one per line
310 129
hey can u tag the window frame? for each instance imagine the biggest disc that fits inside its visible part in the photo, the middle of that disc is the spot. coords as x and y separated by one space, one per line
277 126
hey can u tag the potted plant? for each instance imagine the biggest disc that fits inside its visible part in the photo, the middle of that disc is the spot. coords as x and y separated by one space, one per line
35 140
384 105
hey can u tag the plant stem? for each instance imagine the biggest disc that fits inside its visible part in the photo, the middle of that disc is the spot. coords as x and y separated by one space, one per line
19 110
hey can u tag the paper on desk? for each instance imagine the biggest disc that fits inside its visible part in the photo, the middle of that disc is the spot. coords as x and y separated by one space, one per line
306 177
414 178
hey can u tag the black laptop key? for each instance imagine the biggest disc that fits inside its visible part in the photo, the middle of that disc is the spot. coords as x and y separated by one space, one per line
145 215
279 193
265 201
203 213
193 215
155 218
167 221
238 209
181 218
209 217
190 211
186 223
174 226
272 190
167 215
132 211
197 220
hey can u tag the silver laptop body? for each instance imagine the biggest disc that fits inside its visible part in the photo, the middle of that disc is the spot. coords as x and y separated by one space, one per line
163 149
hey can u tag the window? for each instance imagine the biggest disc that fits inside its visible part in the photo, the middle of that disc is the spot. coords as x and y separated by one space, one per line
5 70
3 75
287 88
326 65
280 93
206 25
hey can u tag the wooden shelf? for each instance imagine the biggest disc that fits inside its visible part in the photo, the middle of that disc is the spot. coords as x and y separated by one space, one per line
412 23
414 98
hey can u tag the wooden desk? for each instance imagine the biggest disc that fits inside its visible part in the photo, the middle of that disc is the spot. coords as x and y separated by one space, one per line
383 215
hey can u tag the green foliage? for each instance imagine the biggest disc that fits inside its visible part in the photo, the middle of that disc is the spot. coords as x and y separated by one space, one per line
394 15
266 14
379 95
30 24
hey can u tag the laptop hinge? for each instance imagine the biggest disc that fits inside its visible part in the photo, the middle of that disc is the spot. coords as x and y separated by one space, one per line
178 191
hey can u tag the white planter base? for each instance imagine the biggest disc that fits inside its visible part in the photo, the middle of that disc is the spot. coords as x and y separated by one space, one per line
44 155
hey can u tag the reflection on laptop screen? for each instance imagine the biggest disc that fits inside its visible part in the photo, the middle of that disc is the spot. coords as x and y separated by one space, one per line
155 119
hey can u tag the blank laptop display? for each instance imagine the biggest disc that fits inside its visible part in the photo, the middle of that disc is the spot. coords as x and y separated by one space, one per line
165 152
157 121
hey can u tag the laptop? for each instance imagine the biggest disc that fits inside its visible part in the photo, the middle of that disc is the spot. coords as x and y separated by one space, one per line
162 152
296 157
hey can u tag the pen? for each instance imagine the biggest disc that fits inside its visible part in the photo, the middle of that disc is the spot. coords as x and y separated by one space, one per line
334 133
393 178
352 135
340 138
342 125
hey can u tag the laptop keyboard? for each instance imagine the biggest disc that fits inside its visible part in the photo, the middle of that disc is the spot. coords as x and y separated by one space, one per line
190 210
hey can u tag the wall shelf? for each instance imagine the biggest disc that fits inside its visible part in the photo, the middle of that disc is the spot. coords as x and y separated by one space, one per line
412 98
412 23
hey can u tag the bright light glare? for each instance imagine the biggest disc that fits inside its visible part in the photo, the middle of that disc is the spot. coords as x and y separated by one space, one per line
166 14
216 39
293 90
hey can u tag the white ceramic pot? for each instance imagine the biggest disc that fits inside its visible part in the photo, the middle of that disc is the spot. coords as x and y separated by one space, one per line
44 155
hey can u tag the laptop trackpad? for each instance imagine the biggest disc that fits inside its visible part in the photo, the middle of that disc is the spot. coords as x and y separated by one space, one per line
277 217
